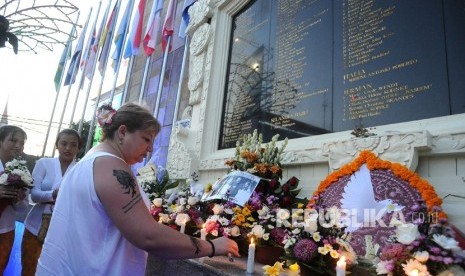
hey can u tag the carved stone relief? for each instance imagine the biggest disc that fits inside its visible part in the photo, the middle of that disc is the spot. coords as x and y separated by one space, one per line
401 148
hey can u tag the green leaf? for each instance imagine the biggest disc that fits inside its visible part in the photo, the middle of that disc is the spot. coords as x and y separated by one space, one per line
295 192
171 185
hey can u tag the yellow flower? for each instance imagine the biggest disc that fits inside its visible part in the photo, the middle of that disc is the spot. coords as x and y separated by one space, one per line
316 236
334 254
300 206
246 211
295 267
273 270
208 188
328 246
240 217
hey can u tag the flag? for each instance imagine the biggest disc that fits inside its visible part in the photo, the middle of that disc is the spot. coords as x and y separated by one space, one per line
92 58
61 64
135 35
153 27
185 17
168 26
4 120
87 52
105 39
120 35
75 59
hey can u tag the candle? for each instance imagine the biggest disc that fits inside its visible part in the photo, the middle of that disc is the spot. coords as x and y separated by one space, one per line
203 233
160 220
251 257
341 267
414 272
183 227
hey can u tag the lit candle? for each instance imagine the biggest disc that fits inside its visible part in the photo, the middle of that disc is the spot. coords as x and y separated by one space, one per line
414 272
183 227
203 233
251 257
160 220
341 267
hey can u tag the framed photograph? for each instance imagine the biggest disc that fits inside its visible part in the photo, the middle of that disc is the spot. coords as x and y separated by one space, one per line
236 186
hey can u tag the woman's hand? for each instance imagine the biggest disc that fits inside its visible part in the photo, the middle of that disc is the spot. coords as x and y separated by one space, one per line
9 193
224 246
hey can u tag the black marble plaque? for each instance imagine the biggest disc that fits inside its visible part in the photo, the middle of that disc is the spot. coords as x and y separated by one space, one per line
302 68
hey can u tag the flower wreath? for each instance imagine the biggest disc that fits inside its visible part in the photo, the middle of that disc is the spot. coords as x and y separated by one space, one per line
105 114
426 191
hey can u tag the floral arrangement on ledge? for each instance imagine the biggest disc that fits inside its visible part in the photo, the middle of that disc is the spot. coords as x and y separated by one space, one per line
424 247
155 181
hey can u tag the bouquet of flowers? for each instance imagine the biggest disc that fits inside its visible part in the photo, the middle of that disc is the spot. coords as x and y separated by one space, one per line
318 241
155 181
16 174
424 247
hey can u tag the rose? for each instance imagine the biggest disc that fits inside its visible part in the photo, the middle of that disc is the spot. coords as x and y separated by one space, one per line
235 231
182 219
293 182
274 184
218 209
406 233
192 200
157 202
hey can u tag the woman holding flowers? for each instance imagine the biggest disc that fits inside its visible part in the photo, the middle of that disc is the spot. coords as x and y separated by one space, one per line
47 174
101 223
12 199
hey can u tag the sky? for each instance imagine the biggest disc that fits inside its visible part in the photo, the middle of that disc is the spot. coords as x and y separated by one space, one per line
26 83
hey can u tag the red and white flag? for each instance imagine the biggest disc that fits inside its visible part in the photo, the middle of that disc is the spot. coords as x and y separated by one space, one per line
135 34
153 27
168 26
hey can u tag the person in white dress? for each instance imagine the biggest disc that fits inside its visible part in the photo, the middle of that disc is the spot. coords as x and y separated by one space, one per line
12 200
101 224
47 174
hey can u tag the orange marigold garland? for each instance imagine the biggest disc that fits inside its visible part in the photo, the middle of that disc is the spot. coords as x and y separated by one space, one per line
426 191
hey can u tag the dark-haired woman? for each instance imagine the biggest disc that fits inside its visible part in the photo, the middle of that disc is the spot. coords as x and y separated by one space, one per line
47 174
101 224
12 200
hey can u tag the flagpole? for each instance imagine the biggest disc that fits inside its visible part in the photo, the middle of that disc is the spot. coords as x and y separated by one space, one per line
73 74
81 82
92 124
120 55
144 78
126 82
181 76
67 49
94 66
162 76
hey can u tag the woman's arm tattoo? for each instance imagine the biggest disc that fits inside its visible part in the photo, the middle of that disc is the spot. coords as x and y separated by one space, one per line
196 244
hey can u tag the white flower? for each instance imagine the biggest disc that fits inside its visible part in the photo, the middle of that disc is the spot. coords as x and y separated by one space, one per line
381 267
192 200
223 221
283 214
406 233
415 265
258 231
182 219
3 178
157 202
311 226
266 236
218 209
421 256
182 201
179 208
235 231
445 242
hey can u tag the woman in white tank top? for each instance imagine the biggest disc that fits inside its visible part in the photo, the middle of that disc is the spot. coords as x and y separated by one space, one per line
101 224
